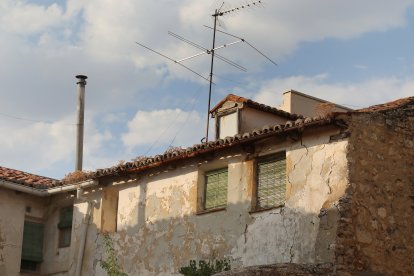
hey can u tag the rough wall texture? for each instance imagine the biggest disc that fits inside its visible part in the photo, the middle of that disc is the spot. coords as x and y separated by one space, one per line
282 270
55 259
15 207
159 227
376 226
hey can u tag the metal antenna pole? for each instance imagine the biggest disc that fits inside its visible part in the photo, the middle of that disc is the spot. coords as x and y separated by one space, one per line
216 14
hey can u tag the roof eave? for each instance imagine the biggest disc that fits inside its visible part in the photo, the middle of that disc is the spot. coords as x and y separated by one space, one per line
47 192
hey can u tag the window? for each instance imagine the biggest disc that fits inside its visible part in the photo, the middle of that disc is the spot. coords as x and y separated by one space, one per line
65 226
32 248
271 181
215 192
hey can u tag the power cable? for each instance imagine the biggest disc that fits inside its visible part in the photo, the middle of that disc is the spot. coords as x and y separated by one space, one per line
166 129
31 120
195 100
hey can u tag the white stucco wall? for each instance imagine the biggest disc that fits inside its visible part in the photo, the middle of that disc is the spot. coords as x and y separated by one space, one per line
45 210
228 125
56 260
159 229
12 216
255 119
306 105
244 120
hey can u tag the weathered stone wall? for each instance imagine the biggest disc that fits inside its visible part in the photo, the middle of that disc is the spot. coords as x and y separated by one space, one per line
289 269
376 225
159 227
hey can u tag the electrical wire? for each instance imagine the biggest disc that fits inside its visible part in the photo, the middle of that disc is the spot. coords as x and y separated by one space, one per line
172 124
31 120
195 100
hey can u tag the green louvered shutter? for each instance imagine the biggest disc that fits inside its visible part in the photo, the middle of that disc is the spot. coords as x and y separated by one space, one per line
66 215
271 181
32 249
216 189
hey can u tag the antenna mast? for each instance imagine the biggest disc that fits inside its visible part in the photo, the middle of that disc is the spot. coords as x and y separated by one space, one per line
216 14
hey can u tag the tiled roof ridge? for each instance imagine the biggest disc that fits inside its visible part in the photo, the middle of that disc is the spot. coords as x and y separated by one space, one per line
198 149
257 105
387 106
25 178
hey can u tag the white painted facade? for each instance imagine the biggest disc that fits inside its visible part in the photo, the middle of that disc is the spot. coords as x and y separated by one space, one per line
299 103
156 219
160 226
15 209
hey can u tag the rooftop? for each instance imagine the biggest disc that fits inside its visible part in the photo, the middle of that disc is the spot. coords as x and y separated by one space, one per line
388 106
144 163
256 105
24 178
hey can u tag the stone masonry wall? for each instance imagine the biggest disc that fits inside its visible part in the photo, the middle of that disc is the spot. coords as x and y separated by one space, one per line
376 226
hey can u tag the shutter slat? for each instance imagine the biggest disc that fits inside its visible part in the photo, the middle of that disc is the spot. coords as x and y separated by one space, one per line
271 184
216 189
32 249
66 215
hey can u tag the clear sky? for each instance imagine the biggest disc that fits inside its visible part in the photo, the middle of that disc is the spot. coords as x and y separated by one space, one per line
355 53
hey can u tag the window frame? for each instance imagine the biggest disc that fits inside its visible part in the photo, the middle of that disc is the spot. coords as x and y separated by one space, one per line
205 188
64 228
278 156
227 112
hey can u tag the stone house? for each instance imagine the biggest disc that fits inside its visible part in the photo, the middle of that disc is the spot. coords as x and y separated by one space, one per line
275 192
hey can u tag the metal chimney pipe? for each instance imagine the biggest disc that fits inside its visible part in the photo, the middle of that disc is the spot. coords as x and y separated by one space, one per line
79 131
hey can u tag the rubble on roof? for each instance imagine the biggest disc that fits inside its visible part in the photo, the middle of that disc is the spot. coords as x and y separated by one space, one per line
144 163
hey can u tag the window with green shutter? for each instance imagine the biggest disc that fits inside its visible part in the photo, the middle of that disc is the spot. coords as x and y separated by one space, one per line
65 226
32 248
271 181
215 189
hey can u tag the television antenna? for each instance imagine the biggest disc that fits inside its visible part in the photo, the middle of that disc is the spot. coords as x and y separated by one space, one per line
212 51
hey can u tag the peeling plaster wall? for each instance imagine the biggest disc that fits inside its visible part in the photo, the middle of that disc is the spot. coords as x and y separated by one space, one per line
160 229
316 178
43 210
376 226
56 260
93 244
12 216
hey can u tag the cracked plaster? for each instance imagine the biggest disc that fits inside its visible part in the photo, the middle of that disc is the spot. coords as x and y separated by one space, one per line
159 231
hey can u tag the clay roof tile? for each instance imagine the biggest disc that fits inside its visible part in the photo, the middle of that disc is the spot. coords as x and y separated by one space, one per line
24 178
388 105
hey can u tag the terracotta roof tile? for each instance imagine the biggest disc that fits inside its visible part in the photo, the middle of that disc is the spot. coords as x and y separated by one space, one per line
256 105
388 106
145 163
24 178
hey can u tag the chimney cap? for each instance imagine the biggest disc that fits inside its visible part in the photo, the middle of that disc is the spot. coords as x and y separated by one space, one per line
81 77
